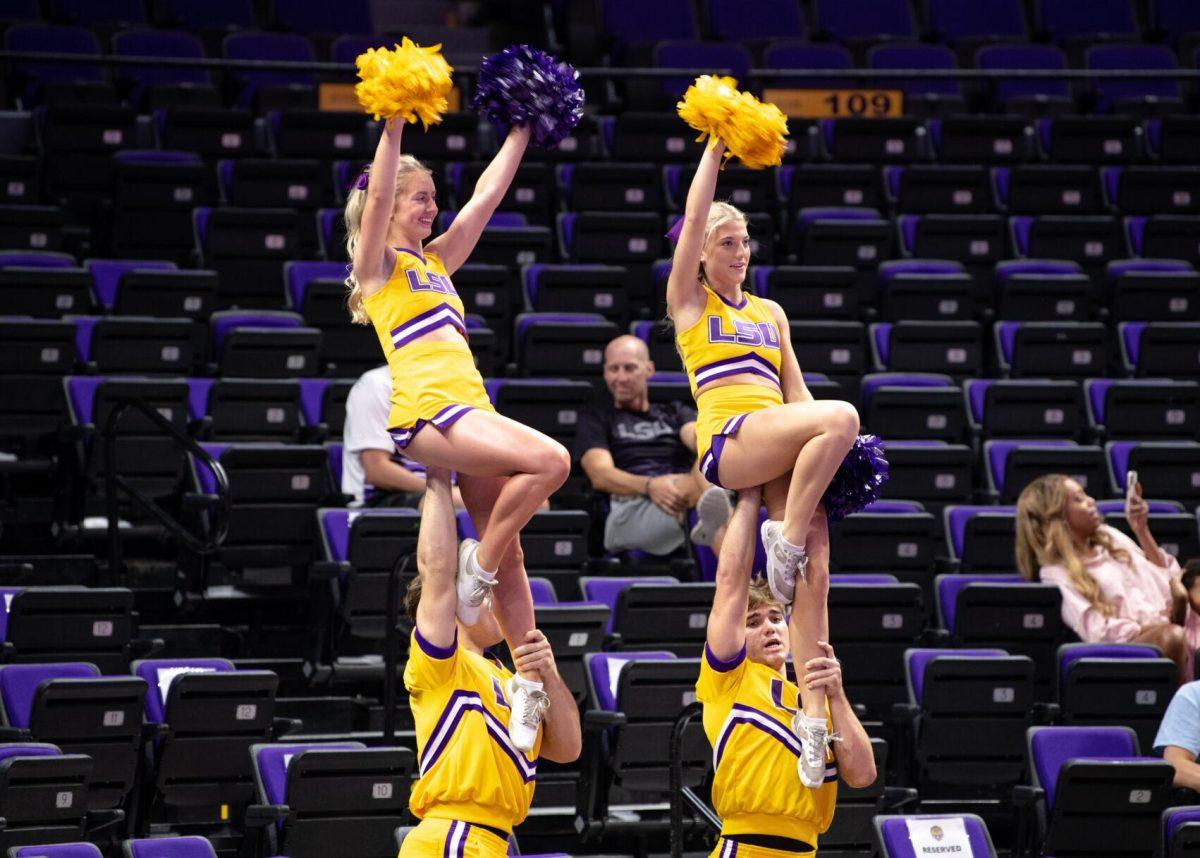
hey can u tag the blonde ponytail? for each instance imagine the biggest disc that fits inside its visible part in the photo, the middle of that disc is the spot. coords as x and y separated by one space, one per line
356 201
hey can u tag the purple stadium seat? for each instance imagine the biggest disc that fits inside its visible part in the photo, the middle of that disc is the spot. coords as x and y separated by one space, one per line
169 847
59 850
606 590
1175 18
772 19
916 56
1176 818
271 764
225 322
1158 349
272 46
198 15
160 43
864 19
85 13
634 21
685 53
47 38
36 259
951 21
315 16
1064 20
950 585
894 841
300 273
1011 465
1051 748
335 528
1169 469
917 661
1143 408
604 668
1068 654
1119 95
1024 57
159 673
993 542
107 274
803 55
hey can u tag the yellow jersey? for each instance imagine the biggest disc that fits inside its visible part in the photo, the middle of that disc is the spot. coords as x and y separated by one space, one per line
417 298
468 768
730 339
748 709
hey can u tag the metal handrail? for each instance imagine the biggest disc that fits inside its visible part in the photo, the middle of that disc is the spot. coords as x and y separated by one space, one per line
113 481
615 72
679 794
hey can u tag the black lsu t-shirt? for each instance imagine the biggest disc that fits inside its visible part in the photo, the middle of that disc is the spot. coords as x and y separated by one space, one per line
645 443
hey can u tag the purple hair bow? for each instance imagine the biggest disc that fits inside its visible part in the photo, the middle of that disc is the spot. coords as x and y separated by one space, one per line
673 232
361 182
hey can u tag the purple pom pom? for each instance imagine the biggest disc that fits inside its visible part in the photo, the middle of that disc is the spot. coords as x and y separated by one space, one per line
524 86
858 480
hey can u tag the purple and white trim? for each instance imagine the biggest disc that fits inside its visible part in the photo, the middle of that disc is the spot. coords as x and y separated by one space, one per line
433 650
742 714
423 323
746 363
460 703
722 665
710 465
777 696
456 839
444 419
729 848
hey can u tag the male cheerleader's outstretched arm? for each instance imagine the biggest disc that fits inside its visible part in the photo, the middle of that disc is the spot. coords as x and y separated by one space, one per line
855 760
437 561
727 619
791 379
683 288
456 243
561 739
381 199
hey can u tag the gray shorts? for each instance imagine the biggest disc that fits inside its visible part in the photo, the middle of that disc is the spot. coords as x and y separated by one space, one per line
638 522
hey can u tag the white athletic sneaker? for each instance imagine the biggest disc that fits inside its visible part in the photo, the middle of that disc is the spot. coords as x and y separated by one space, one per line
783 564
528 702
473 588
712 512
814 739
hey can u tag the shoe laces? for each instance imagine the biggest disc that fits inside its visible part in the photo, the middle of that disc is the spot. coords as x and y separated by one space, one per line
481 588
533 704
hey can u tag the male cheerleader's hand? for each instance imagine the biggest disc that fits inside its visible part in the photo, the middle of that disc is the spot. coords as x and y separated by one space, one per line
824 673
535 655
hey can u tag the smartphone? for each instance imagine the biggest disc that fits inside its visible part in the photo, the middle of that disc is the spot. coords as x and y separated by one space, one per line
1131 479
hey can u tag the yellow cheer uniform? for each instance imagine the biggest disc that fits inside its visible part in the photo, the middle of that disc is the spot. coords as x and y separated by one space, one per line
757 792
432 382
729 339
472 779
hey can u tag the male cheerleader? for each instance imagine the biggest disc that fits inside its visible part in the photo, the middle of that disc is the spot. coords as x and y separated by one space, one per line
750 709
474 785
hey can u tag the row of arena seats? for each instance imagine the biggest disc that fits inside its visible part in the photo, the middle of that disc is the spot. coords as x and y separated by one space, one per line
931 698
278 344
148 87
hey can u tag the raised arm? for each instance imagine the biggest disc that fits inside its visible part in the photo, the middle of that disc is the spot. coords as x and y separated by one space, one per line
727 619
684 294
791 378
369 262
437 561
456 243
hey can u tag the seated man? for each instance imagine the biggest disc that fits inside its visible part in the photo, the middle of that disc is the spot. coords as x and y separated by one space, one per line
474 786
643 455
1178 738
752 711
374 473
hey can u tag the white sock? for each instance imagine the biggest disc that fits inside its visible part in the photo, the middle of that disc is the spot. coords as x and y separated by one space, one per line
811 721
528 684
478 570
796 551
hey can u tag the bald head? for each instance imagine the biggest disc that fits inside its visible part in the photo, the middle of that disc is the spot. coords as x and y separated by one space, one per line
626 347
627 371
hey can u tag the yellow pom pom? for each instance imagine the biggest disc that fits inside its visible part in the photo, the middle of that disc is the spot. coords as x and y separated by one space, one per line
408 82
751 130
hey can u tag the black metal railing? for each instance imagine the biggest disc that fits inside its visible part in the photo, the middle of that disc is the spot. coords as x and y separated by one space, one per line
115 484
681 795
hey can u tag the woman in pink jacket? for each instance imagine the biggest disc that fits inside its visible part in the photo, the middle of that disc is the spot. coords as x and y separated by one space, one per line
1113 588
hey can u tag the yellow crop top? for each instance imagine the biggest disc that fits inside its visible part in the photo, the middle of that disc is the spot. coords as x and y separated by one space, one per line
730 339
417 298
